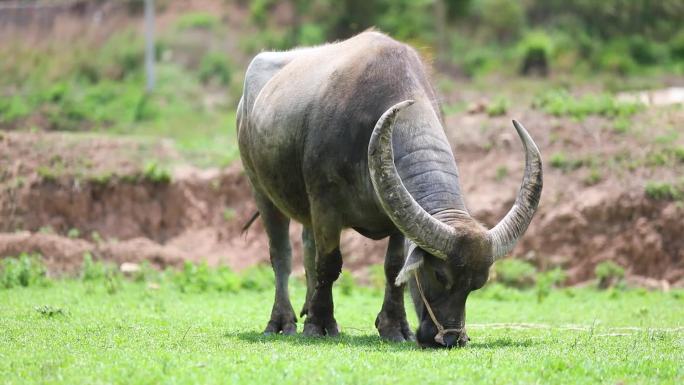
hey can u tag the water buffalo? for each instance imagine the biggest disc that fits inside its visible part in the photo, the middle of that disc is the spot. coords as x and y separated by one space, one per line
350 135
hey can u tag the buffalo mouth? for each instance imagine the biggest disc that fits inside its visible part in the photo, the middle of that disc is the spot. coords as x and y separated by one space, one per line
425 337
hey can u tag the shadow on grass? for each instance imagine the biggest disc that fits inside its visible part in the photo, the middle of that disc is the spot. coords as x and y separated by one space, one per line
372 342
504 343
369 342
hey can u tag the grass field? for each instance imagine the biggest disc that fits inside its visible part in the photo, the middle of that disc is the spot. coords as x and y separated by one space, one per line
76 332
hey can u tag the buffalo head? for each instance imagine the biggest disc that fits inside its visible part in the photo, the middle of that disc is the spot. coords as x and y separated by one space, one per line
448 254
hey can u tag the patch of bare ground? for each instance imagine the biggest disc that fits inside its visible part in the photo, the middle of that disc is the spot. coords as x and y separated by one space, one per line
590 213
99 190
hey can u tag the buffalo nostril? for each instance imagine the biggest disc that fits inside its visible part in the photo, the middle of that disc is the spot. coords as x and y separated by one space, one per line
450 340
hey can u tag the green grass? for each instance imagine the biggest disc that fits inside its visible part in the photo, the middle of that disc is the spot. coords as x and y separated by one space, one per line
101 88
77 332
561 103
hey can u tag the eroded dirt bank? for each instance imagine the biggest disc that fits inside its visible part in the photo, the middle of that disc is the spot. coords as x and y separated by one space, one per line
131 215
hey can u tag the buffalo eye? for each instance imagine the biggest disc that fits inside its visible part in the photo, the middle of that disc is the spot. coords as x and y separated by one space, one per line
442 278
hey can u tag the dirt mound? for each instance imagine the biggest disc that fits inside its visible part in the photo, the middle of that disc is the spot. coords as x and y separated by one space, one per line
63 196
642 234
198 217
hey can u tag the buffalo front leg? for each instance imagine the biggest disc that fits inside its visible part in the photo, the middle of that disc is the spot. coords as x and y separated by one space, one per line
391 321
283 317
309 248
320 320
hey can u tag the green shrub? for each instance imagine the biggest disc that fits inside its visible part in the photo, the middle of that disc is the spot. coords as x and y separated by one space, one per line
73 233
479 61
677 46
515 273
121 56
609 274
678 153
93 270
258 278
561 161
215 67
548 280
503 20
501 173
346 282
646 51
26 270
561 103
200 278
594 177
13 108
663 191
498 292
536 50
498 107
198 20
311 34
49 311
155 173
258 10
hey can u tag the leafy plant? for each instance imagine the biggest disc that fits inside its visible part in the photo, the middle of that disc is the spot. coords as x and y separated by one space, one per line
663 191
199 278
501 173
92 270
548 280
561 103
73 233
26 270
498 107
215 67
609 274
258 278
198 20
515 273
49 311
153 172
346 282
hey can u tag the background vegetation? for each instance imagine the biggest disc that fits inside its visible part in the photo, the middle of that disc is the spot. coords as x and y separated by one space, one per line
92 79
202 325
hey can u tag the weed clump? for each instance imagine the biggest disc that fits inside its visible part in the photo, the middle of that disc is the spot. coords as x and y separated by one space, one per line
24 271
663 191
515 273
49 311
215 67
561 103
155 173
498 107
609 274
547 281
346 282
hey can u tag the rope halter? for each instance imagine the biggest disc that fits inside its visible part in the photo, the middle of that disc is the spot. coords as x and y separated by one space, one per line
441 331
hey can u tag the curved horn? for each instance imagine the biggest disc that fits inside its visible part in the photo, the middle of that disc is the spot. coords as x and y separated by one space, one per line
507 232
418 225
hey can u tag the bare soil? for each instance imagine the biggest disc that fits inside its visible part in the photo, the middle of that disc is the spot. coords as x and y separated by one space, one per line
52 184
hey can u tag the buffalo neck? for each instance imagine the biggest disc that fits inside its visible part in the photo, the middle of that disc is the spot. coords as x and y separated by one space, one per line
426 163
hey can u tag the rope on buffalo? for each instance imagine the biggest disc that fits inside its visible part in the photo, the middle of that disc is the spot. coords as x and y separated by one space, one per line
441 331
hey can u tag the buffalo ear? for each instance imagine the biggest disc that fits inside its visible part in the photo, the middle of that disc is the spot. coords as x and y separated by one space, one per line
414 260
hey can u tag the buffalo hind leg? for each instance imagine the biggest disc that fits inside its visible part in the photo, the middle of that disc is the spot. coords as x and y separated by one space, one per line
320 320
283 317
309 249
391 321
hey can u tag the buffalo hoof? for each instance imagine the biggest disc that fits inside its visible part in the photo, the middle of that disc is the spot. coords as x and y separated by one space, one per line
316 329
285 324
395 330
